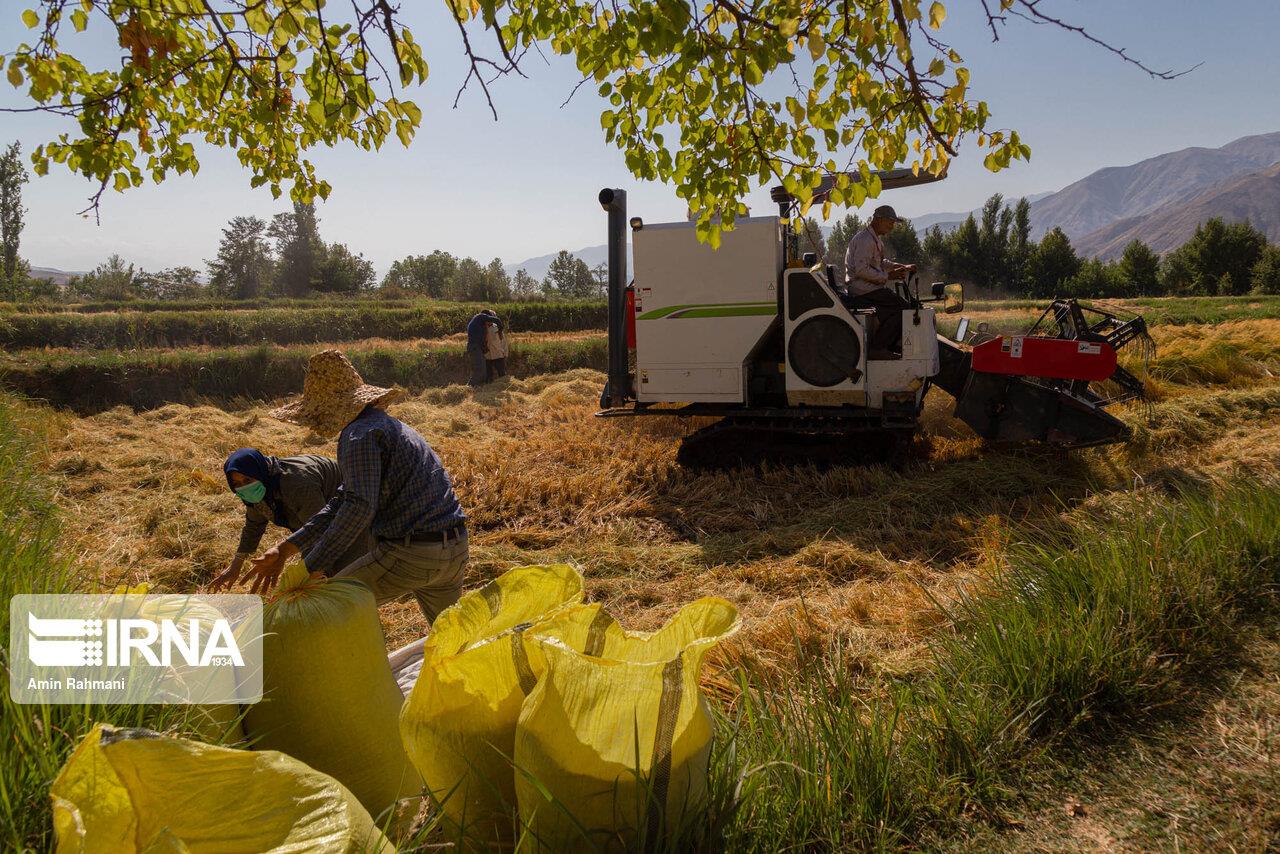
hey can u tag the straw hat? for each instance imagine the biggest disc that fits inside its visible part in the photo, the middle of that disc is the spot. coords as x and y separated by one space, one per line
333 394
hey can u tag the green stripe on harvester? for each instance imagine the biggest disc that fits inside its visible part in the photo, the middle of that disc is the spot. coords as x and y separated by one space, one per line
723 309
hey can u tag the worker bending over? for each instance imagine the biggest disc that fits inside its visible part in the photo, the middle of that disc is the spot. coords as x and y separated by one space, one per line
478 347
867 276
392 482
284 490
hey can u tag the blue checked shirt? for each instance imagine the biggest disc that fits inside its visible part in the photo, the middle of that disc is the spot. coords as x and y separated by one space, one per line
392 483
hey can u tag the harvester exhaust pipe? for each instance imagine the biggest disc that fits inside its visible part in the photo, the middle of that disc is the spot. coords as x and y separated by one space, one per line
619 388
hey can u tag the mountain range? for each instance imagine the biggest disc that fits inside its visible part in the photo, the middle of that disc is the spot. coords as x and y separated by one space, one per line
537 267
1162 199
1254 196
59 277
1159 201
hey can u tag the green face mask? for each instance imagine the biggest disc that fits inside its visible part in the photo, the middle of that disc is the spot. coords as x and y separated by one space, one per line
252 493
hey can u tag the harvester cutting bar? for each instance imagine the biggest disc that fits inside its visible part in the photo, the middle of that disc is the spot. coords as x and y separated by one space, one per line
1037 386
1012 408
1053 358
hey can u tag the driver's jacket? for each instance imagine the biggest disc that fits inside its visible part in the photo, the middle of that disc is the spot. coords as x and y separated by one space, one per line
864 263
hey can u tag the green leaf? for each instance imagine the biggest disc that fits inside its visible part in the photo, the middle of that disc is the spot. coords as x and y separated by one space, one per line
816 44
30 18
404 130
937 14
15 73
79 20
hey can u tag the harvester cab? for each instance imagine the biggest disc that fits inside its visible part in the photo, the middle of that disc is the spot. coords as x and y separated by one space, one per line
763 339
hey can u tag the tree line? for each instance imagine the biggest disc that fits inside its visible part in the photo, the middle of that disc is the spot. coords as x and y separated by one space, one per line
993 251
284 257
442 275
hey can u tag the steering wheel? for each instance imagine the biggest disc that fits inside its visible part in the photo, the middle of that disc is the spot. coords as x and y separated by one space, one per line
909 288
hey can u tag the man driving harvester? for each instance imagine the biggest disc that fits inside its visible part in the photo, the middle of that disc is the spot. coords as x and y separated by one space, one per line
867 276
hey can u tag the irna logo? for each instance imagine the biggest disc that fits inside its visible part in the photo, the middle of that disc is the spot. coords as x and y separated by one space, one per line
196 642
135 648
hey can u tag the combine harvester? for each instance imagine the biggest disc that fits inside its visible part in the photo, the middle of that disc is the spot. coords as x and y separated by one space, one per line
759 338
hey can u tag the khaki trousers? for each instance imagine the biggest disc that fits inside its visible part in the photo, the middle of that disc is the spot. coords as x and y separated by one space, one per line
432 572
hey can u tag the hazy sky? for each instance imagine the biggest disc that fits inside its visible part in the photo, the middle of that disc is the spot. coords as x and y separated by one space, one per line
526 185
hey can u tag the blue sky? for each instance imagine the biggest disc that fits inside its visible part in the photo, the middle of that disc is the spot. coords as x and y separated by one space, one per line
526 185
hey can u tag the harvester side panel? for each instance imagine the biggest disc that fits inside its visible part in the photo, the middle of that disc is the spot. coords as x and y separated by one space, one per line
701 312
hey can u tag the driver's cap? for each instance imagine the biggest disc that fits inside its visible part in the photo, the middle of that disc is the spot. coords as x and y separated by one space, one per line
886 212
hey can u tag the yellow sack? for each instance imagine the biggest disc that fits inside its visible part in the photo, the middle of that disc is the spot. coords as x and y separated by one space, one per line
328 696
132 790
603 693
211 722
459 723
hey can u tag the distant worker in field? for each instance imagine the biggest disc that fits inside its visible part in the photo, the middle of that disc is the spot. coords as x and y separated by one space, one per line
392 483
495 348
286 491
867 276
477 343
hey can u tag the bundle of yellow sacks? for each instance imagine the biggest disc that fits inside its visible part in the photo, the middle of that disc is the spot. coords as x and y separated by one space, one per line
535 722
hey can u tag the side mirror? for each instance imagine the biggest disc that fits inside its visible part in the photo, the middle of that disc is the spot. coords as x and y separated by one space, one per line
954 295
938 289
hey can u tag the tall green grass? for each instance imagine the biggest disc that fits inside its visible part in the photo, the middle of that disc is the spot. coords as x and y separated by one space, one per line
293 325
35 740
204 304
1079 630
281 322
92 381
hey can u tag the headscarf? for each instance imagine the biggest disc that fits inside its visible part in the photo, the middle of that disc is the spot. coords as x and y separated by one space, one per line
251 462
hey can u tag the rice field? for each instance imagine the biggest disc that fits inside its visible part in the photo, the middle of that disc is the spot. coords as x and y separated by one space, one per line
868 593
90 380
299 322
848 555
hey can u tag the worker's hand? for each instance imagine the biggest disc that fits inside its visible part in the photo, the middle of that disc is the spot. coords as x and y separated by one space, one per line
267 568
228 576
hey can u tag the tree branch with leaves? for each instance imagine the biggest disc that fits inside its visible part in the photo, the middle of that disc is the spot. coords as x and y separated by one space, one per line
714 97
